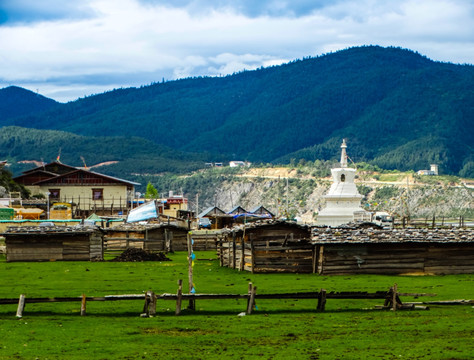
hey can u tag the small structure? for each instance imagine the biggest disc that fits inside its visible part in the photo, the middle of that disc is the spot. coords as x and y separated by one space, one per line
51 243
343 199
269 247
219 218
175 206
150 237
263 212
354 250
61 211
29 213
237 210
433 170
238 163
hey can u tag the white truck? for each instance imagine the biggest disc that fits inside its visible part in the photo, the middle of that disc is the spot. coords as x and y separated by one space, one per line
379 218
383 219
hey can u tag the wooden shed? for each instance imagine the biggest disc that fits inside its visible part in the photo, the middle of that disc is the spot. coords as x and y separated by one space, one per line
150 237
41 243
398 251
219 219
275 246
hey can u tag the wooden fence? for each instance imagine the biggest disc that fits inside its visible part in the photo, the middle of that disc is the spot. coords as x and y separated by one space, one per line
391 299
434 222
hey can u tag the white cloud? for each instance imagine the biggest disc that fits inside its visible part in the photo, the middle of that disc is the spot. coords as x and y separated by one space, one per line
129 43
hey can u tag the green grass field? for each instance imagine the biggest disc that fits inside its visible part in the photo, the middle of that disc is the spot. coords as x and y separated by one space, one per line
278 329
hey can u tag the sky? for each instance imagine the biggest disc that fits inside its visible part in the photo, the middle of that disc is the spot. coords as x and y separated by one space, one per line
75 48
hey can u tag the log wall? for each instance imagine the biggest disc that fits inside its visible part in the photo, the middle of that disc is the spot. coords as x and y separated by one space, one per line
154 239
41 245
278 247
412 258
400 251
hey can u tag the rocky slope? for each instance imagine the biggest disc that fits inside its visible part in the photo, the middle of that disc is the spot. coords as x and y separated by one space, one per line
301 196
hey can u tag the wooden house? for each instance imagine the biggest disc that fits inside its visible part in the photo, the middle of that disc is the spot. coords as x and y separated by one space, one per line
269 247
87 190
51 243
262 212
237 210
400 251
150 237
219 218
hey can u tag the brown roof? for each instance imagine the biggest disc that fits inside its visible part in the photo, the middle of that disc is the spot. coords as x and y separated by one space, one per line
369 236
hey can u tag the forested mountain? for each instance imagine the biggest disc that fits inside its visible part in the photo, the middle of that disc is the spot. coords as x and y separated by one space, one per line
16 101
127 154
395 108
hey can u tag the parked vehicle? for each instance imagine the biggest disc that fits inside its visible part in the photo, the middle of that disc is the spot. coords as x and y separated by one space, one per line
204 223
383 219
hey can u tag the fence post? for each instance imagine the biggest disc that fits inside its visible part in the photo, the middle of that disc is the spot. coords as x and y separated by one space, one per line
233 251
21 306
394 297
322 300
83 305
152 311
179 297
192 304
242 255
251 302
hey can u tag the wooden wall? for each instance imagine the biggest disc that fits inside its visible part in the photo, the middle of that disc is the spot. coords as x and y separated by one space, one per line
277 248
37 246
396 258
151 239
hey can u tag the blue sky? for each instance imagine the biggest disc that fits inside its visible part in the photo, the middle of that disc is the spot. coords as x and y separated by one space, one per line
70 49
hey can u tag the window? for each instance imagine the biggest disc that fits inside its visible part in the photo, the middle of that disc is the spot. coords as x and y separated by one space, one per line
54 194
343 178
97 194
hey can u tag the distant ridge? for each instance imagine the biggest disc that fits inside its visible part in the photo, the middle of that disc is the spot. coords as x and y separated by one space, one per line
395 107
16 101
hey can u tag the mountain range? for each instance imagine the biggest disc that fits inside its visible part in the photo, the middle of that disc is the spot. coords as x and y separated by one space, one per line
396 109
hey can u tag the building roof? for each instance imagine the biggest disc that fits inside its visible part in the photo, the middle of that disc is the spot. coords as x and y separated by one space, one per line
59 173
73 176
237 210
351 235
270 224
213 210
54 167
136 227
31 177
261 210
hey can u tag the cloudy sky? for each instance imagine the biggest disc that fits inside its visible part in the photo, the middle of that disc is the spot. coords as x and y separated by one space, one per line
70 49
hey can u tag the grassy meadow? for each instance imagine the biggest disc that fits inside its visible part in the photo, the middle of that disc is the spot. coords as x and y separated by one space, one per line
277 329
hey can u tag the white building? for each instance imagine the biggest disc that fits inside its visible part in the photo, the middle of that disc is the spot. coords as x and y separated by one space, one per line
343 199
433 170
238 163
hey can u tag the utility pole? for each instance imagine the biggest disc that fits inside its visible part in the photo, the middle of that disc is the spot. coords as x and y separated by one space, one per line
197 204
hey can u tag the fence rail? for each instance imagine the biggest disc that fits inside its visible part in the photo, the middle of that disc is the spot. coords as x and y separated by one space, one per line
434 221
391 299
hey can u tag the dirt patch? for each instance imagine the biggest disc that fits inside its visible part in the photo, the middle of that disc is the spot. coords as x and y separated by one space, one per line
131 255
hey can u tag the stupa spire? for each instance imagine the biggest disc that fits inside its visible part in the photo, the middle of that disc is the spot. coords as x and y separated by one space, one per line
343 154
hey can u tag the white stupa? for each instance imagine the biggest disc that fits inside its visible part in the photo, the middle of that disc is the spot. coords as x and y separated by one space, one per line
343 199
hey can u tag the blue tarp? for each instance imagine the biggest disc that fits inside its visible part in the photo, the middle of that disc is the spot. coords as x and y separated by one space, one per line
265 216
143 212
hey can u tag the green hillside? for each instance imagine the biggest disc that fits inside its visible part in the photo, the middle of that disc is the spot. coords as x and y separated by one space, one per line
397 109
16 101
129 154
